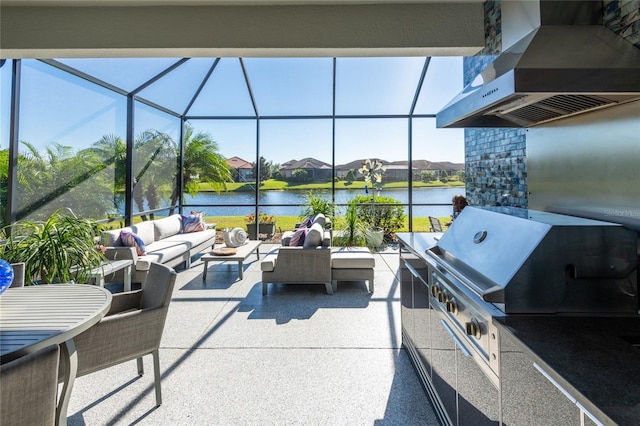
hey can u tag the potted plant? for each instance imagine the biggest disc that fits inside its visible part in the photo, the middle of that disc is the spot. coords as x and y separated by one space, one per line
265 224
60 249
351 231
317 204
372 171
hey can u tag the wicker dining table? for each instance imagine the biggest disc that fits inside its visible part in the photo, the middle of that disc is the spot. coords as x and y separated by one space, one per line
34 317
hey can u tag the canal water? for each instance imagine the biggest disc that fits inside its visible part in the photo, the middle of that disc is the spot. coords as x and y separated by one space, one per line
291 203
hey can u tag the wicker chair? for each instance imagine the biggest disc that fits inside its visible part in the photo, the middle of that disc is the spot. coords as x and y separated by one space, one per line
435 224
131 329
28 388
18 275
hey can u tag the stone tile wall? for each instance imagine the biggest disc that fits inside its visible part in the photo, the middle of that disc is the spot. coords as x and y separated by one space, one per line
623 18
495 159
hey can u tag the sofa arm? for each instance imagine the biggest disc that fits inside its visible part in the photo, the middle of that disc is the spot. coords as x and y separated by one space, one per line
298 264
120 253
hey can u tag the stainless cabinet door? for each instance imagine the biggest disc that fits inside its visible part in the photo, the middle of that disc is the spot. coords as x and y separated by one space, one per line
528 397
443 363
478 398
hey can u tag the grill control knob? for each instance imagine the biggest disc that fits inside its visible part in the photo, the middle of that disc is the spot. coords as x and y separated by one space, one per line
473 328
452 306
443 297
435 290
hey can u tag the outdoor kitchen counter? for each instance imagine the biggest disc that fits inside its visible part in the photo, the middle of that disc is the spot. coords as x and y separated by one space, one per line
588 357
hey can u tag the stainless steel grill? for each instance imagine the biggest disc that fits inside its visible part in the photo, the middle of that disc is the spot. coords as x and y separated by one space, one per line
525 261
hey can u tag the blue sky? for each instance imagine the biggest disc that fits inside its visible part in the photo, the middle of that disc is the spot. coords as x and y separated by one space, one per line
60 108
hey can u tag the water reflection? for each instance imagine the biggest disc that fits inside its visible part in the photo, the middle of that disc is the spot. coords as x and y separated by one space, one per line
289 203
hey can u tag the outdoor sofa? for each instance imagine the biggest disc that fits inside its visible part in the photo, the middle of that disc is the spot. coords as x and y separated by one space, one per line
171 241
316 262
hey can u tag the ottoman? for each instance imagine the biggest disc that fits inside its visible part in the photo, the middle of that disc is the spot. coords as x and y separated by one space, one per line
352 264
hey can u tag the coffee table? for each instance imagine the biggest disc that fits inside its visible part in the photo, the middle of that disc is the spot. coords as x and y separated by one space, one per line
240 256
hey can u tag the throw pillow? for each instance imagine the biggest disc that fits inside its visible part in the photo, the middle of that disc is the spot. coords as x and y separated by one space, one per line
297 239
314 236
307 222
192 223
130 239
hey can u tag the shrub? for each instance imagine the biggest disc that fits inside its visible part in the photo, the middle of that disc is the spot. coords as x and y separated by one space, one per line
316 203
389 214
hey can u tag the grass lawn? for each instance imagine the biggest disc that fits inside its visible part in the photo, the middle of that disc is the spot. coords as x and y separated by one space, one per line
283 223
287 223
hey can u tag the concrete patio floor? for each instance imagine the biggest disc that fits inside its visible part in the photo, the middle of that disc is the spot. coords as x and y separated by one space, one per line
230 356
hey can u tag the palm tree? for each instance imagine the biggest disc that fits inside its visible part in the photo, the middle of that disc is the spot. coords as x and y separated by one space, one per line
202 163
61 178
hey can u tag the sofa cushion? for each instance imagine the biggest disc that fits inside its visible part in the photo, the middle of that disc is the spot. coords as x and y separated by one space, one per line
111 238
192 223
314 236
352 258
167 227
321 219
145 230
130 239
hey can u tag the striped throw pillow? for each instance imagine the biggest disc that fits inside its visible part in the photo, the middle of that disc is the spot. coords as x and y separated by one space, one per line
192 223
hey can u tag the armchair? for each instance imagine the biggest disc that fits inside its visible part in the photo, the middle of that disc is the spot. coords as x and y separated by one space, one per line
131 329
28 388
297 265
18 275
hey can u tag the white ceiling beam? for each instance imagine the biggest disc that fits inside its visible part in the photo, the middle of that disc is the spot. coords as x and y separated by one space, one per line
398 29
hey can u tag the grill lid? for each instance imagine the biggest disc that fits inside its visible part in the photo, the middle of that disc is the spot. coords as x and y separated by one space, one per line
533 261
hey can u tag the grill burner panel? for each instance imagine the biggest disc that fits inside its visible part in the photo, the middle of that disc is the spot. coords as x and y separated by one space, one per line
527 261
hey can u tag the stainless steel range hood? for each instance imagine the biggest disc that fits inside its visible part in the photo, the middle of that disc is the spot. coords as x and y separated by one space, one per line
553 72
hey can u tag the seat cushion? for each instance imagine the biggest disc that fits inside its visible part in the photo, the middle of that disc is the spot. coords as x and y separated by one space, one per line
193 238
352 258
165 250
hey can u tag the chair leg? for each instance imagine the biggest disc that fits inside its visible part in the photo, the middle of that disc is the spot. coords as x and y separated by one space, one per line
264 288
156 377
140 367
329 288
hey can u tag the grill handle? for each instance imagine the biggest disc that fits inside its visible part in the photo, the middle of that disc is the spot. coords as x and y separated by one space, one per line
456 339
411 269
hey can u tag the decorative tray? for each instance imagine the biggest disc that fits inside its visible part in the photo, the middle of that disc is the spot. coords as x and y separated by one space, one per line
224 251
